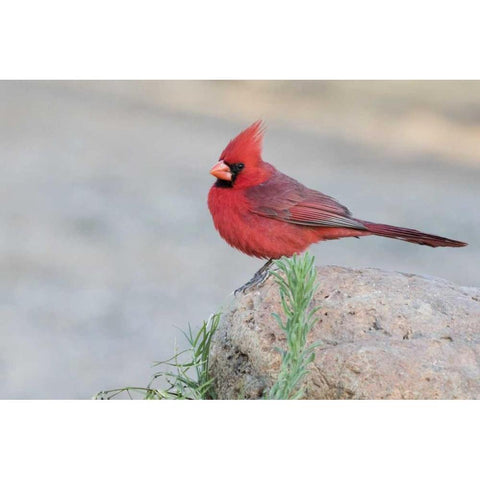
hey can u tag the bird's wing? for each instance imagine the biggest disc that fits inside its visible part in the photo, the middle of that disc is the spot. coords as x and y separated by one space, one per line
287 200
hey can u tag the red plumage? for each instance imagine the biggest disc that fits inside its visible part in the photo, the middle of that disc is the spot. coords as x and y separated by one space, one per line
267 214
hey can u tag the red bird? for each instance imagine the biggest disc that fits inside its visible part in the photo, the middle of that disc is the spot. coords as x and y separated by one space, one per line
266 214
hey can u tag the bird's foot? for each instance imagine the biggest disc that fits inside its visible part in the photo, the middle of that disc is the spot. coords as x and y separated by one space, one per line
256 280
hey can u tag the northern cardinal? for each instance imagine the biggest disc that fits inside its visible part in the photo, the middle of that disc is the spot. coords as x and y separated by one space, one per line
266 214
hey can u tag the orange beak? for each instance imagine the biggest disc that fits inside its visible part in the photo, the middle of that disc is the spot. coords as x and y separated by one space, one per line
222 171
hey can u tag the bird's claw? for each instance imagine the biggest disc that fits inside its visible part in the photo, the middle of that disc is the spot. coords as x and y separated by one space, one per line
257 280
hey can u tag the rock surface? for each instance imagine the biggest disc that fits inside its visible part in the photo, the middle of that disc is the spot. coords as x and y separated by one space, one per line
385 335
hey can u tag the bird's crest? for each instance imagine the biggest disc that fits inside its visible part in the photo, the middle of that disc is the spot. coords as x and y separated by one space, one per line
246 147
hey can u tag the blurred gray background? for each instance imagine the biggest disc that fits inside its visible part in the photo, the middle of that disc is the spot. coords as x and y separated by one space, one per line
107 247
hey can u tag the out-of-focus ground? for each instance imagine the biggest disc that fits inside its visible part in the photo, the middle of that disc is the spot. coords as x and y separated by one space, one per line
107 247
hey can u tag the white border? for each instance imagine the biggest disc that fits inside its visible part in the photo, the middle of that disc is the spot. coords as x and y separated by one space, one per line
239 40
239 439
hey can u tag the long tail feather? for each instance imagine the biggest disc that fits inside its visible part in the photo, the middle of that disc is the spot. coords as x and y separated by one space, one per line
413 236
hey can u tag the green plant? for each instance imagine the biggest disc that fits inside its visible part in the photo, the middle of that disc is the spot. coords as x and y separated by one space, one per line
189 381
296 278
191 378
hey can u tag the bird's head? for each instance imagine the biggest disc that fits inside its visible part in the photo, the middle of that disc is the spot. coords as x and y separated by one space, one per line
240 164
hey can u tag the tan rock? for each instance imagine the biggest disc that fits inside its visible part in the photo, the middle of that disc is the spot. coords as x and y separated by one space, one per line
385 335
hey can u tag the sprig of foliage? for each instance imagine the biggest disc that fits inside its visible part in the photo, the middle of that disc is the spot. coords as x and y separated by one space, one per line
296 278
190 379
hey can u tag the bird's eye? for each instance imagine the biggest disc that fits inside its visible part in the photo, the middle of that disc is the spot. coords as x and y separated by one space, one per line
236 167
